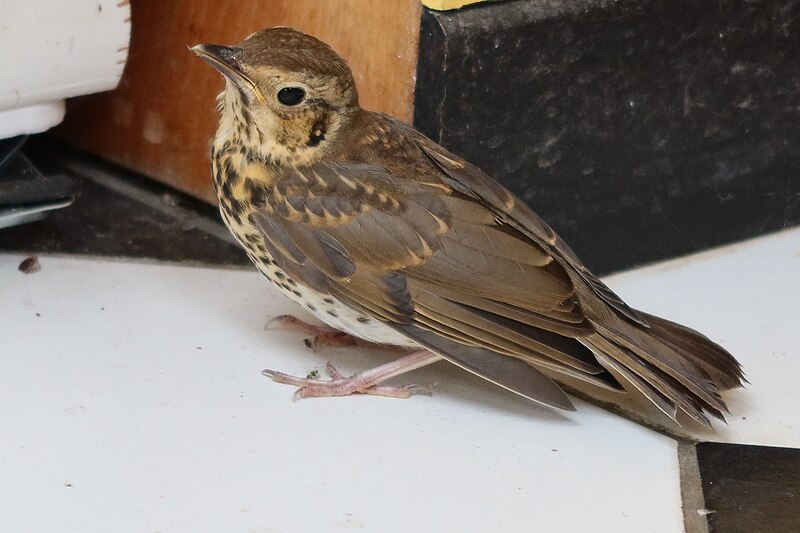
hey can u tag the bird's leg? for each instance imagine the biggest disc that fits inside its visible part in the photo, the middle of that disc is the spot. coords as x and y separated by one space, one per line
363 382
326 335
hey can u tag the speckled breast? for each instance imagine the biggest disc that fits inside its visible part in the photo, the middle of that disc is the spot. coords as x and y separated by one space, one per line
238 215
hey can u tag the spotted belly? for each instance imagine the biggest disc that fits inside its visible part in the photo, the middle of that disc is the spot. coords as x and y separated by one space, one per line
323 306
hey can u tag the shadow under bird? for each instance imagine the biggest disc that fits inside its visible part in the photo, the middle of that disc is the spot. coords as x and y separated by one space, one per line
386 236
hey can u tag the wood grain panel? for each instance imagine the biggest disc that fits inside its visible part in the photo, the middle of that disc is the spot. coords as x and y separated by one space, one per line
161 119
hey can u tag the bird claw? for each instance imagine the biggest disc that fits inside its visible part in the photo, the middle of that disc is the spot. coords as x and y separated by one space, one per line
339 385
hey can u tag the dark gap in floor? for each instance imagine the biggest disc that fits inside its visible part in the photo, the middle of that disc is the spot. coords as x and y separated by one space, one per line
750 489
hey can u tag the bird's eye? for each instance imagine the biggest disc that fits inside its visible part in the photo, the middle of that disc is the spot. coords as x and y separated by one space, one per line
291 95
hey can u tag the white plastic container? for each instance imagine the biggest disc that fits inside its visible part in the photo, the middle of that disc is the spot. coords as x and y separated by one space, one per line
54 50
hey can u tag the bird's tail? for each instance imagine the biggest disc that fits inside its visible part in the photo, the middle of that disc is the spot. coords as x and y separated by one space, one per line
675 367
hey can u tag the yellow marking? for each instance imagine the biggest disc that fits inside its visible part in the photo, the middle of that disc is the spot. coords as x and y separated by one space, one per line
329 218
415 259
350 183
426 249
452 162
295 214
302 176
439 186
442 225
446 5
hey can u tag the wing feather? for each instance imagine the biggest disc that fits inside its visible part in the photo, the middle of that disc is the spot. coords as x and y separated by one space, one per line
451 259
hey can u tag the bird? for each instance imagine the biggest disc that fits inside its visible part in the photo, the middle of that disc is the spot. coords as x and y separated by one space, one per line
389 238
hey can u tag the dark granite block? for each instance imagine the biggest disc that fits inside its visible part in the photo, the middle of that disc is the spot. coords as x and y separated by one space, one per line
640 130
750 489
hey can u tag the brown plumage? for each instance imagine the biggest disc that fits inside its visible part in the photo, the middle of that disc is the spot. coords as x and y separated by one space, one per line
386 235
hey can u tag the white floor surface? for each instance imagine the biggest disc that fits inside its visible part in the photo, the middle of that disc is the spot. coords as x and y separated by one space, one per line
131 399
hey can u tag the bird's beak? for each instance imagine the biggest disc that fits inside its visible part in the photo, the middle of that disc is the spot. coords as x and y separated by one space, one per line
225 60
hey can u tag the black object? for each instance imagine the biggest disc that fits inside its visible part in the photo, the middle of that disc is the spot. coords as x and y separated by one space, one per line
640 130
120 213
291 95
25 193
750 489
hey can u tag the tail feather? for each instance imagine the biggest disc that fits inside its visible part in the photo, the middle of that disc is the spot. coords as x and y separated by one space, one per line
665 392
662 360
721 366
665 404
673 366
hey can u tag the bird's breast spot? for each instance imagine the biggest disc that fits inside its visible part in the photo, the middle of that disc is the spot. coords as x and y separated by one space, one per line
332 312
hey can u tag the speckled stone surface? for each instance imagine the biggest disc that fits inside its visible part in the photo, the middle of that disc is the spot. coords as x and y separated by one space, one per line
640 130
750 489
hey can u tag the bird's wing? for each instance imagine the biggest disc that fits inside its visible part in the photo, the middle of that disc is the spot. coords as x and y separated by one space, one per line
436 264
470 180
434 248
672 366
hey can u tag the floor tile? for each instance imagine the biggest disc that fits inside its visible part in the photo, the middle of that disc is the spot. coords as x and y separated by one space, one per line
747 297
132 396
750 489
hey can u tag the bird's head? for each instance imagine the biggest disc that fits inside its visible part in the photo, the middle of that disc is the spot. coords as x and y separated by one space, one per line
286 96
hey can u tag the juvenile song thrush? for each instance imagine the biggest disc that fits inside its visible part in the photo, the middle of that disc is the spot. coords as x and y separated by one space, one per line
387 236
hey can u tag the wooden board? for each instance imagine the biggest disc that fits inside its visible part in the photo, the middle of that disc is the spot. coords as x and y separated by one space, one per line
161 119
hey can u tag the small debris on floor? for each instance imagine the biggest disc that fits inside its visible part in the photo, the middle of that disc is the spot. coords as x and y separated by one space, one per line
314 374
30 264
169 199
705 512
309 343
